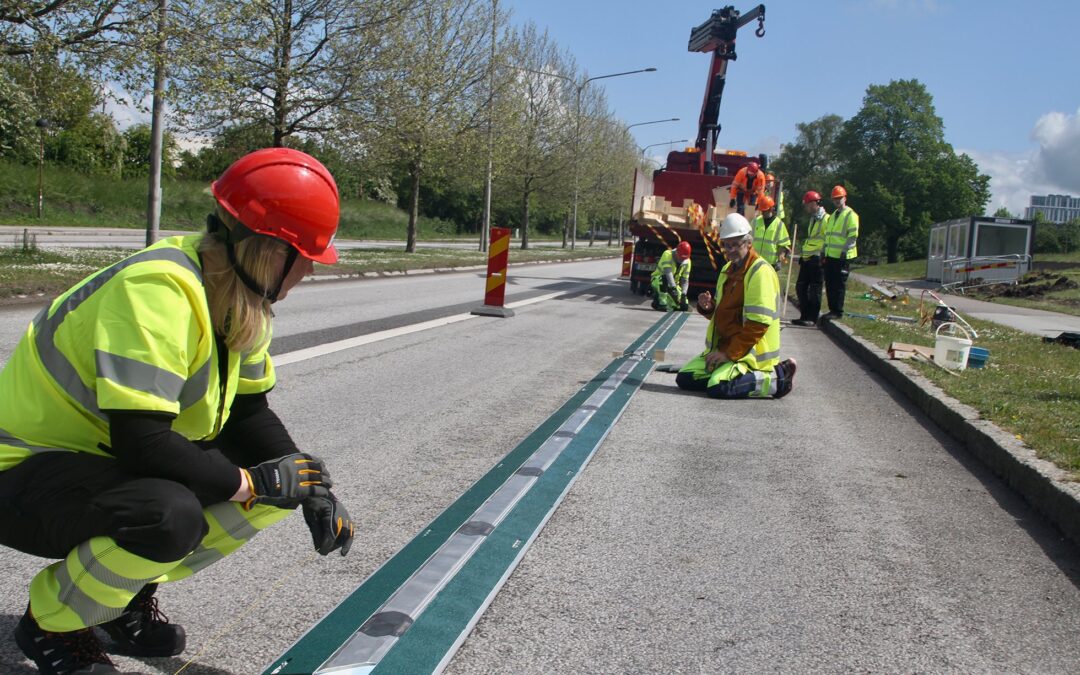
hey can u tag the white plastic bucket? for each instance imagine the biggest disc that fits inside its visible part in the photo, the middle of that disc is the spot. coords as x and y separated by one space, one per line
951 351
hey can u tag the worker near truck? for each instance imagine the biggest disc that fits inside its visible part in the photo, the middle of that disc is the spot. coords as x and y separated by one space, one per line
137 445
671 279
771 238
776 194
746 187
809 283
841 239
742 353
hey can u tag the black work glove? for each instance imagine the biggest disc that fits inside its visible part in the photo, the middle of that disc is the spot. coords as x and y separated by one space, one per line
684 304
330 524
731 204
286 481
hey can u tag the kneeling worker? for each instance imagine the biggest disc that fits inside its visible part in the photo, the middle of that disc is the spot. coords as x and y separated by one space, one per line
671 278
742 355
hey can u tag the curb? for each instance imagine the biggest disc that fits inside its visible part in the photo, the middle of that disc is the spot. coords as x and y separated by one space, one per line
1047 488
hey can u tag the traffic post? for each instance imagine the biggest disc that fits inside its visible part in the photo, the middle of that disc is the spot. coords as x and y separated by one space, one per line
498 255
627 258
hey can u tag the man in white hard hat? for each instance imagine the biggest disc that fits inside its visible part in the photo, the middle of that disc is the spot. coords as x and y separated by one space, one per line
742 352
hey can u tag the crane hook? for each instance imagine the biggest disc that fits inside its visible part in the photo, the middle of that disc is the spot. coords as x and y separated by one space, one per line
760 32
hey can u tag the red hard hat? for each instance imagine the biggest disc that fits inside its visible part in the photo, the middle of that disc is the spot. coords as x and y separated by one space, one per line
752 168
765 203
838 192
683 249
811 196
285 194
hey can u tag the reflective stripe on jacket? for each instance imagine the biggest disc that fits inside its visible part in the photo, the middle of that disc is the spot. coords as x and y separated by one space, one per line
842 234
761 302
134 336
769 239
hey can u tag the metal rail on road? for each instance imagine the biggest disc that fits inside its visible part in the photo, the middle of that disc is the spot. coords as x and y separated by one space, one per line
413 613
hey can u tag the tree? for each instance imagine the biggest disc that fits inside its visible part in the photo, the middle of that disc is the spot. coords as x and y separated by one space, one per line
1003 212
432 96
86 27
533 124
290 65
812 162
137 152
900 171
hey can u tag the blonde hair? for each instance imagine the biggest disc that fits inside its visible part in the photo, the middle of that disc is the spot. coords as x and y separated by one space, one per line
238 314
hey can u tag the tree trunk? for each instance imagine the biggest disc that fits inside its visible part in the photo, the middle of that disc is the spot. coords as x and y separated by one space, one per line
892 248
525 220
414 208
565 227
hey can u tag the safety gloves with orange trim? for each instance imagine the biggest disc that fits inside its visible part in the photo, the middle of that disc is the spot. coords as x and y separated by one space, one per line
330 524
287 481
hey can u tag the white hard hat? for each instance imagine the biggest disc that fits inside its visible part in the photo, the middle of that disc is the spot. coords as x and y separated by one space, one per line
733 225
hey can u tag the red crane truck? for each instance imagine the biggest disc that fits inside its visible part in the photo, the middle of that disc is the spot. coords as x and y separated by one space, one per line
684 199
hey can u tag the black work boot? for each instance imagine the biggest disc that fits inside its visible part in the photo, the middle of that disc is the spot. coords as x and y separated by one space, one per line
142 630
787 367
75 653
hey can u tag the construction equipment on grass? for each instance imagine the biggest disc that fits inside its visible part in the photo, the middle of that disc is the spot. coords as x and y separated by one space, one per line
935 315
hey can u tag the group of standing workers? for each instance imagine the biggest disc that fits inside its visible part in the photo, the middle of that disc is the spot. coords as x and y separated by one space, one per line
742 355
137 446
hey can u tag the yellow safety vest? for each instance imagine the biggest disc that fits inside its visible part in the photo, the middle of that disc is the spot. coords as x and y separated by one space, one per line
667 263
768 240
761 302
133 336
814 241
842 234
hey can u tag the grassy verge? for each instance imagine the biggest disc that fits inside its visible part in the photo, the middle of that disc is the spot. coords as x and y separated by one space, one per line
38 274
1053 286
1028 387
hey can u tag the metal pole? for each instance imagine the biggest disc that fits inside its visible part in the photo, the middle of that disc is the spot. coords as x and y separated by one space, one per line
41 169
577 151
157 131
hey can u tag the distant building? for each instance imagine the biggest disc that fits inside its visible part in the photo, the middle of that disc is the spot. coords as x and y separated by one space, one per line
1054 208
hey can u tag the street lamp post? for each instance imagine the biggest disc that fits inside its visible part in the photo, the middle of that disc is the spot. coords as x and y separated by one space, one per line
577 141
654 145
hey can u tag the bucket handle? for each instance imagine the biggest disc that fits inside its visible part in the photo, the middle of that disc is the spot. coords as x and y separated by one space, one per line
967 334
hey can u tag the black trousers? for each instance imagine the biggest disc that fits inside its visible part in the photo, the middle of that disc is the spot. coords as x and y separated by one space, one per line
836 275
53 501
808 288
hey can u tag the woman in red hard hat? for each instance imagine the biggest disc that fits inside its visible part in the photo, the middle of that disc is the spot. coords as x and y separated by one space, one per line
136 443
671 279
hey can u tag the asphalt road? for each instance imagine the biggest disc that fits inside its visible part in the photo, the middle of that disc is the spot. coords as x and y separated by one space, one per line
833 530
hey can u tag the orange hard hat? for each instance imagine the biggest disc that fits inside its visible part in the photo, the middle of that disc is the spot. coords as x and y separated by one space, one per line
765 203
838 192
286 194
683 250
811 196
752 168
770 178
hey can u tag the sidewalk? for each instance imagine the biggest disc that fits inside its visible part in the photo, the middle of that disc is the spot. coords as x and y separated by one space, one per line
1036 321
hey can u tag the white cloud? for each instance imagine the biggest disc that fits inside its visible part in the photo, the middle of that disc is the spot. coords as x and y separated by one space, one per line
1012 179
1057 161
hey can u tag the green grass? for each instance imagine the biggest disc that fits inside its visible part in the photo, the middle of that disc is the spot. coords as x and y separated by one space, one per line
37 274
901 271
1028 387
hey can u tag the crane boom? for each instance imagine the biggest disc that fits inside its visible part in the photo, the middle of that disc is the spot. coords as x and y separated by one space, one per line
717 35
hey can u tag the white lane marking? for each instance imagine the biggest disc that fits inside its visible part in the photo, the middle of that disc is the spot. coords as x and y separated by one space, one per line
340 345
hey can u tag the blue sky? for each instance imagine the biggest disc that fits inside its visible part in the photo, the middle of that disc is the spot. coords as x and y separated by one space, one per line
1005 76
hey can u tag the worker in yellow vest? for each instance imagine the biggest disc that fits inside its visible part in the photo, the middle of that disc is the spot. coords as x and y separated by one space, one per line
771 239
777 194
671 279
136 442
808 285
841 239
742 343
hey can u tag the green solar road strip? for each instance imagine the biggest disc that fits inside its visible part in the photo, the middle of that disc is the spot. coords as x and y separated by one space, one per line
413 612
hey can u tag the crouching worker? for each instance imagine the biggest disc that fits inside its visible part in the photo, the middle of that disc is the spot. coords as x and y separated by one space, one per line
136 443
671 279
742 358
